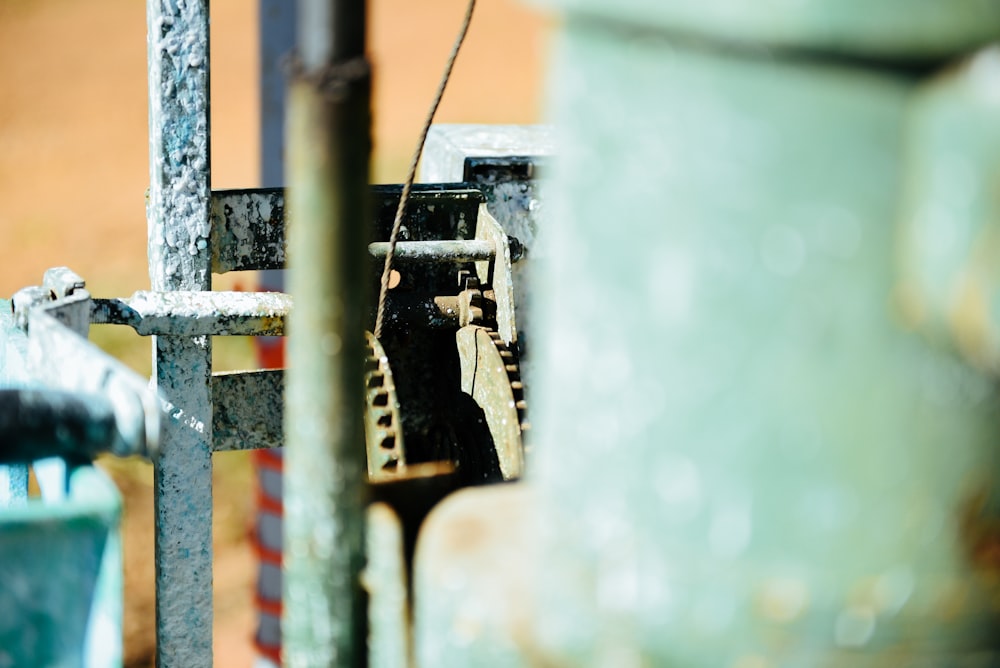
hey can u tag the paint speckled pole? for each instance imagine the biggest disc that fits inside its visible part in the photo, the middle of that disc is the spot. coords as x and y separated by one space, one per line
328 147
180 259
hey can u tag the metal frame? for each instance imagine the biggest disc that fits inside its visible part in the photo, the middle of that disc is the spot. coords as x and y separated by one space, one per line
194 232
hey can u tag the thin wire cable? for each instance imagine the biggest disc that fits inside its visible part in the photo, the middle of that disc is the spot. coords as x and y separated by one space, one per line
408 185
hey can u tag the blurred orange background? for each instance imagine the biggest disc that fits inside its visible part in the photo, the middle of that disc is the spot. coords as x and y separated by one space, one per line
73 173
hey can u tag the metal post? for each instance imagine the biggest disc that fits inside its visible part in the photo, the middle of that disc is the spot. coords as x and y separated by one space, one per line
180 259
276 32
328 147
277 38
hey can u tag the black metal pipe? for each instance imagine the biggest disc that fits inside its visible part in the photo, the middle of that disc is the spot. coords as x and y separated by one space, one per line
35 424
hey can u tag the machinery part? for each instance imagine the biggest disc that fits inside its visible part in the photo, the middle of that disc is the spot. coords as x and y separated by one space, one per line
490 375
383 433
451 250
497 274
397 224
470 300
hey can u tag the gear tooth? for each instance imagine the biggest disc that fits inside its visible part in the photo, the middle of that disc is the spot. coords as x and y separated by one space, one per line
521 405
383 438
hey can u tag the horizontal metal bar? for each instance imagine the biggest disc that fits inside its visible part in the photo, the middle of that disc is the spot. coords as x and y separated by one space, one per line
197 313
248 408
471 250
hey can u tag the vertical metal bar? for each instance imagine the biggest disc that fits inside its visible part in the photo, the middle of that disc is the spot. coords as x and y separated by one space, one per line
277 40
328 147
180 259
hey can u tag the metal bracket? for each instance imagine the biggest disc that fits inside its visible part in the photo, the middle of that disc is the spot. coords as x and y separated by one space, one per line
56 317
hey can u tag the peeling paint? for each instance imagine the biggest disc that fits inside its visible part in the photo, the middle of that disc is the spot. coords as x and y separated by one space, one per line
248 230
248 410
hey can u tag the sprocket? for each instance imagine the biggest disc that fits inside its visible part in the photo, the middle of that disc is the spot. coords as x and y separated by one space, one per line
383 431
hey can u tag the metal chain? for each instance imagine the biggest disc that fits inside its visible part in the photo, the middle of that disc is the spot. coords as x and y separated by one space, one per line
408 185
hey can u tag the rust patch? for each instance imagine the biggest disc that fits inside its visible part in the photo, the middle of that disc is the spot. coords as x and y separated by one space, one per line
968 318
979 531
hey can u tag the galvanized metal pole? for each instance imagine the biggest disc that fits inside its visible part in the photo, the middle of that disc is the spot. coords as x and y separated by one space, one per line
180 259
328 147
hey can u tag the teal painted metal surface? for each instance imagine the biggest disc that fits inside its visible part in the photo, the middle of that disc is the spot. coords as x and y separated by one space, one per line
61 576
744 455
385 578
60 554
474 581
901 30
756 464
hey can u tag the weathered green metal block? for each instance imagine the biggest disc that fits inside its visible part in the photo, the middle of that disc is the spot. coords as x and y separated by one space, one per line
61 577
60 555
901 30
744 455
743 458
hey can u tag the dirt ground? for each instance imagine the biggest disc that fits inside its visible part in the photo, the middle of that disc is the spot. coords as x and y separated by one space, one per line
73 171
